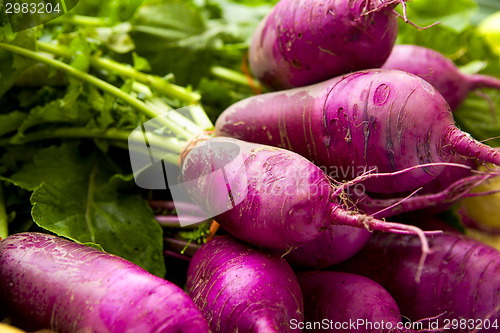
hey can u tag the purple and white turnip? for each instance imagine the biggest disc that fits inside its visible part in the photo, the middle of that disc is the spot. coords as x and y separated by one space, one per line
380 119
460 278
69 287
240 288
439 71
301 42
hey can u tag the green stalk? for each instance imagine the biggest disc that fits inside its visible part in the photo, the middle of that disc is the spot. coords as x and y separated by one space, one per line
158 104
170 158
153 81
171 144
81 20
234 77
168 89
200 117
104 86
174 116
4 219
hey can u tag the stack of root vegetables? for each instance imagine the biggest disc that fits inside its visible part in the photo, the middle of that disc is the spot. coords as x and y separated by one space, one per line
353 135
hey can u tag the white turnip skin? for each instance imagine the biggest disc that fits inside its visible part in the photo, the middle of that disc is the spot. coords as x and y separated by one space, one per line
384 119
460 277
439 71
345 298
302 42
50 282
242 289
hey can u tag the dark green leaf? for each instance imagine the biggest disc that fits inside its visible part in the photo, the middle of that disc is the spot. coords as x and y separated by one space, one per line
62 110
79 198
11 121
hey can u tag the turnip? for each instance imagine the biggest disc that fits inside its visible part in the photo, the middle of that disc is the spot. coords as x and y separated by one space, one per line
348 302
384 119
272 197
439 71
342 242
302 42
331 247
277 198
460 279
242 289
69 287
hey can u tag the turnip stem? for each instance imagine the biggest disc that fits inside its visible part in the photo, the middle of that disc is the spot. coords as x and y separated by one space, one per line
181 246
171 205
174 254
157 83
170 144
200 117
4 220
81 20
172 221
234 77
152 81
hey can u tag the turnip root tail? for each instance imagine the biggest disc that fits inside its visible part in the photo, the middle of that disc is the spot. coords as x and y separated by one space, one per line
461 143
383 208
379 4
344 217
376 5
484 81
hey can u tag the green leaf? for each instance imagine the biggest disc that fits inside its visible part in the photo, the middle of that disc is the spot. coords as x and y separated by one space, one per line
461 47
80 197
95 246
61 110
103 103
205 37
179 16
13 66
140 63
114 11
116 38
219 95
475 117
454 36
80 48
13 158
452 14
10 122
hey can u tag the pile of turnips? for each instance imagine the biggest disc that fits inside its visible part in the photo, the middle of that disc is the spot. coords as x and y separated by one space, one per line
301 249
